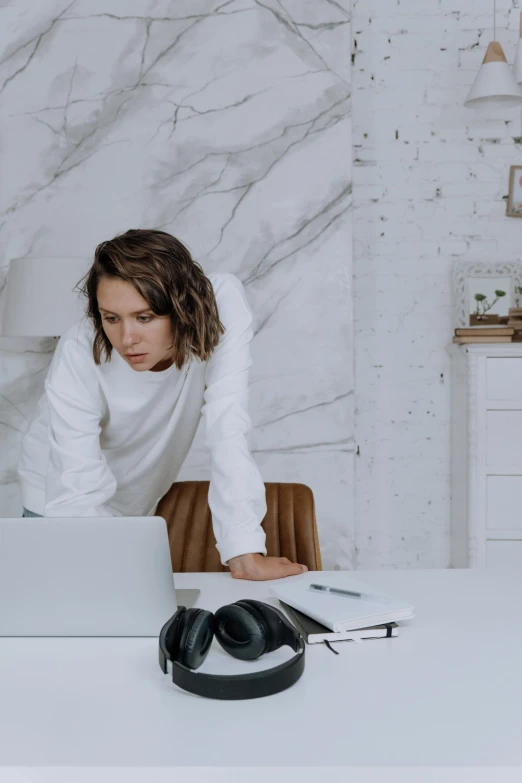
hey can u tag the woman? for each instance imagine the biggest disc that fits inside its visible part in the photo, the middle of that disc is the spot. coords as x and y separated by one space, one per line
162 344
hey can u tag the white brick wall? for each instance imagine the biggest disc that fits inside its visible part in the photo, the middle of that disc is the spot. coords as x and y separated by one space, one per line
430 186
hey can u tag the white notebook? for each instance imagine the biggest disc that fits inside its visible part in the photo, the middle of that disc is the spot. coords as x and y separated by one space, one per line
342 613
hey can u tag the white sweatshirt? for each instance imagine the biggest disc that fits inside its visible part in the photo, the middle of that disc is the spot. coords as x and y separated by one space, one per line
109 441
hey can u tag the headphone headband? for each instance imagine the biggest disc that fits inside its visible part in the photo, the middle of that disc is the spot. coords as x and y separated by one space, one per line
241 686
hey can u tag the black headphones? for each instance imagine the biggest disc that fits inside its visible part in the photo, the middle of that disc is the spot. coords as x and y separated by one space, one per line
246 629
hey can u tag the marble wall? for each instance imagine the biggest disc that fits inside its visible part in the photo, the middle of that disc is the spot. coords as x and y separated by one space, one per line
228 125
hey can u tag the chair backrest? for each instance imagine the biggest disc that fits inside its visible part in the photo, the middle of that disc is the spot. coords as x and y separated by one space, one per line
289 524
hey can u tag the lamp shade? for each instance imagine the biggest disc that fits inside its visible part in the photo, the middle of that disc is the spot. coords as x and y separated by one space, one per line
517 66
495 83
39 296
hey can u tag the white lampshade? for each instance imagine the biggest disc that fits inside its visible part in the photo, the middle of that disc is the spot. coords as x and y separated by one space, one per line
39 296
517 66
495 83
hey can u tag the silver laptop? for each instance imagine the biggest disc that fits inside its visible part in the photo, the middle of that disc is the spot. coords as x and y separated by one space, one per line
102 576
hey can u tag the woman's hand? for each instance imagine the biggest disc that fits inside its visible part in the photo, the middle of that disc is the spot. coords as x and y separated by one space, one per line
258 567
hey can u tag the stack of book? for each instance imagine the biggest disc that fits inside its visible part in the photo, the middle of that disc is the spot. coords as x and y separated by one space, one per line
327 617
515 321
314 632
485 334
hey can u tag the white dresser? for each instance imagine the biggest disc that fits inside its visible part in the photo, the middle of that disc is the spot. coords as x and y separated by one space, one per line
486 450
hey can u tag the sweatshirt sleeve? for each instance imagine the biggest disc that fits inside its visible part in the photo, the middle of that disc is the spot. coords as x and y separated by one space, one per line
79 481
237 496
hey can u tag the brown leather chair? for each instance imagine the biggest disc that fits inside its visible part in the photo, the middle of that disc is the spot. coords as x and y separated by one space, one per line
289 524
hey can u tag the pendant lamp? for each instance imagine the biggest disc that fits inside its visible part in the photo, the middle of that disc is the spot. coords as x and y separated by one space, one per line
495 83
40 296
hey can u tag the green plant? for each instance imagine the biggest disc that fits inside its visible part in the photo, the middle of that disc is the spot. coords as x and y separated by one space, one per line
518 291
483 305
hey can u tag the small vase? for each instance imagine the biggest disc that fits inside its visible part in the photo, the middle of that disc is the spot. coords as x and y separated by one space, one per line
483 320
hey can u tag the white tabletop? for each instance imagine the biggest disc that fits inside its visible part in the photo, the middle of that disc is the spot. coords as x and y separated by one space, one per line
446 691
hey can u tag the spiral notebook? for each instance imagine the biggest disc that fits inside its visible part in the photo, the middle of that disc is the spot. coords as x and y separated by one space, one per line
342 613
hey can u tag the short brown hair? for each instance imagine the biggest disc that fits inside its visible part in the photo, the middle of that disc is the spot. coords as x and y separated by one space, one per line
163 271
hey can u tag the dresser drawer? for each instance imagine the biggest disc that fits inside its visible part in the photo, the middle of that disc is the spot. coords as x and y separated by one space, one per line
504 503
504 554
504 378
504 440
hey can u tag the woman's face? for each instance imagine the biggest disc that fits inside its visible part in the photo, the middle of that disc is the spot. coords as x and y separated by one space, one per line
132 328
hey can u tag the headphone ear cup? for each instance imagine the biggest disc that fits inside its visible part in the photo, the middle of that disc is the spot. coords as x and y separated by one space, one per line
194 637
241 632
171 631
276 624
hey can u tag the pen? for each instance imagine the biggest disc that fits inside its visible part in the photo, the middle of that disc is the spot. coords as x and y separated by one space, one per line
348 593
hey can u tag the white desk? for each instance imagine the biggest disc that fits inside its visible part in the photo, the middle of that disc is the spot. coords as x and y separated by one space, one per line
447 691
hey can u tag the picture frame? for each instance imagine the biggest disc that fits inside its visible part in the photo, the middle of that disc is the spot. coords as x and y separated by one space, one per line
514 202
471 277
